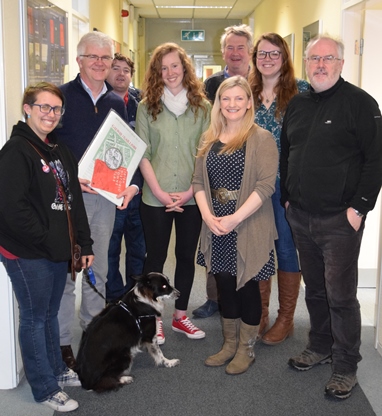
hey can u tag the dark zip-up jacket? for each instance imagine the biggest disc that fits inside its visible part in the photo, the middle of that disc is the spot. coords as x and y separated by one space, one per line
331 150
212 83
33 220
82 118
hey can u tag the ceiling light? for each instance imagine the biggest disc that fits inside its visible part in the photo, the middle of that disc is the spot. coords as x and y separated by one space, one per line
193 7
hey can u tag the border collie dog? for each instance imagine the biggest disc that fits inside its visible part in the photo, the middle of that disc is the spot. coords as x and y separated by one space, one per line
118 333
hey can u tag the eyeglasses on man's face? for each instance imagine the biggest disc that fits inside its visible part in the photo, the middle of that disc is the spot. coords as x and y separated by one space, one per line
328 59
46 109
274 55
95 58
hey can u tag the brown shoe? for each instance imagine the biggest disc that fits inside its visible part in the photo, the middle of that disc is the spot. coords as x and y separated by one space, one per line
289 286
265 292
68 356
245 354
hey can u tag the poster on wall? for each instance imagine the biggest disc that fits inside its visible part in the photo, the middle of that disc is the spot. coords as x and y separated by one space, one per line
47 42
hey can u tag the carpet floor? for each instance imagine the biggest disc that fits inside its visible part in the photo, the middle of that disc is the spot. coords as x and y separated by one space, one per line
268 388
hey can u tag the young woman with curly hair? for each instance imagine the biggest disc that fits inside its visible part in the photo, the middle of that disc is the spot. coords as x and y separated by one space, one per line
171 119
273 84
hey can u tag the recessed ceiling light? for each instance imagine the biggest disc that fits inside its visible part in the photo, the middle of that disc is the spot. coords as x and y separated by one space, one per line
193 7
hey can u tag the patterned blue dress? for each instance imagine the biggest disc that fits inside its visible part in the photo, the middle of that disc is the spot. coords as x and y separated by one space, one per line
226 171
265 117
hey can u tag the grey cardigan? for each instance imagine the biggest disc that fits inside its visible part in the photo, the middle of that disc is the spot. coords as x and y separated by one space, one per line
256 234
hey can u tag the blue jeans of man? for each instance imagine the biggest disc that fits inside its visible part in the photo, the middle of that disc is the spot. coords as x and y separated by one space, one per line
127 224
38 286
287 259
329 248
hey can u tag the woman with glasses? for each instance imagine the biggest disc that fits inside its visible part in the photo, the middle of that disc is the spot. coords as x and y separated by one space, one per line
273 84
38 182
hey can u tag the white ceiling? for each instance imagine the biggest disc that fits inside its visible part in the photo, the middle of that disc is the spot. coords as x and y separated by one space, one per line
240 9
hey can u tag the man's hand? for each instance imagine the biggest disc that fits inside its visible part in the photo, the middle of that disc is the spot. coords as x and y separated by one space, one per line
127 195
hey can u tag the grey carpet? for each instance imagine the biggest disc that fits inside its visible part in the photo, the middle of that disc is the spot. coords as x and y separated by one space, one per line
268 388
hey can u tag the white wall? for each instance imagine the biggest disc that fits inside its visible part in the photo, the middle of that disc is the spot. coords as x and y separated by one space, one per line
11 368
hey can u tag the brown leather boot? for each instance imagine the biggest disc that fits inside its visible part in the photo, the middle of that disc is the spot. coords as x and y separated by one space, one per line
265 292
245 354
289 286
230 329
68 356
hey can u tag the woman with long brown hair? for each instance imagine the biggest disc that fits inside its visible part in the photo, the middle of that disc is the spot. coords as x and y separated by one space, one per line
273 84
171 118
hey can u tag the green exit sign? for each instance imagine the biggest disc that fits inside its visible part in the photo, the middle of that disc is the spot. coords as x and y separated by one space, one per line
193 35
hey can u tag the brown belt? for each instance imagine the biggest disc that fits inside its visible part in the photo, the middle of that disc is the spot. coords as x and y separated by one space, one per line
223 195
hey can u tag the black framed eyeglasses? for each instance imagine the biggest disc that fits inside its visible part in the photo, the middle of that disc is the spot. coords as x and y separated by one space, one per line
46 109
274 55
94 58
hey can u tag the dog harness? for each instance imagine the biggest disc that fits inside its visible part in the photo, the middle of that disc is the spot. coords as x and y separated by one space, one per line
137 320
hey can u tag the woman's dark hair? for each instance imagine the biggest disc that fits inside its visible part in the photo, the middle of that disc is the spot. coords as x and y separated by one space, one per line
31 92
286 86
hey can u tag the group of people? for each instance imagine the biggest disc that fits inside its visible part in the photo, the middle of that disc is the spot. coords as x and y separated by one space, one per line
212 168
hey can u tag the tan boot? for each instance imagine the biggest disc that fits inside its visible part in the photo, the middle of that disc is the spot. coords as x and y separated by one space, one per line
245 354
230 329
289 286
265 292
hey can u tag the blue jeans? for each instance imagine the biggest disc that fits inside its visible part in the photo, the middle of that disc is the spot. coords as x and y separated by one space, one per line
329 249
128 225
287 259
38 286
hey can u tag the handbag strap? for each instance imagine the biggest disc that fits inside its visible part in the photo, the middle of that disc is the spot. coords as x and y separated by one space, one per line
70 224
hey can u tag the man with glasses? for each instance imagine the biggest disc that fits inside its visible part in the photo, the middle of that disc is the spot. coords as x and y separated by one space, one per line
128 222
236 47
331 174
88 100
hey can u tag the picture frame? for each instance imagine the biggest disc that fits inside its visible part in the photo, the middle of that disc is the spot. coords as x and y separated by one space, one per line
308 33
290 41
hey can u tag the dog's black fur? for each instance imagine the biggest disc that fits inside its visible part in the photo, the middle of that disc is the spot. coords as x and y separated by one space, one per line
115 336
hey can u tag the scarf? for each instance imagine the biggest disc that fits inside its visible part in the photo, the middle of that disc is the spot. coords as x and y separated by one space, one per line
177 104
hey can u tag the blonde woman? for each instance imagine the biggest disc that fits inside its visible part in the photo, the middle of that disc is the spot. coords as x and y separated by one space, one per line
233 182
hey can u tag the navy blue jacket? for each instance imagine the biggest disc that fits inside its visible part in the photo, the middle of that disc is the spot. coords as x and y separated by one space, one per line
82 118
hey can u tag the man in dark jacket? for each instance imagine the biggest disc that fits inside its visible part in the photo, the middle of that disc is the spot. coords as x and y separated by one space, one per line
331 173
88 100
236 47
128 222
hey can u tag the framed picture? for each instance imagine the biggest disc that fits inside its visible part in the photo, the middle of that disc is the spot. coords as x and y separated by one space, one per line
208 70
290 41
308 33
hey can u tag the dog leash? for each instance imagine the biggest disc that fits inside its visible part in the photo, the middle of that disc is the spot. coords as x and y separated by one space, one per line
91 284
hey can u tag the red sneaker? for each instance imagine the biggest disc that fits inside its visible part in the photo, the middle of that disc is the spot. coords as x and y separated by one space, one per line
160 334
185 326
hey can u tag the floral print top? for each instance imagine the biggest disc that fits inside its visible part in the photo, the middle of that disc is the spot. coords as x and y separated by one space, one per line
265 117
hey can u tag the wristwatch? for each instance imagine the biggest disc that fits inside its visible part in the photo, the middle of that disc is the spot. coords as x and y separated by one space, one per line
357 213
